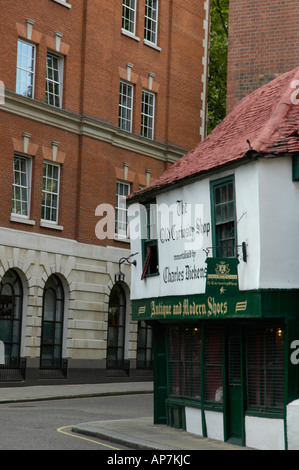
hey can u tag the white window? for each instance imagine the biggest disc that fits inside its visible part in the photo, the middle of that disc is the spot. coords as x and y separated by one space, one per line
21 186
25 69
129 16
125 115
147 114
151 21
121 212
54 80
50 192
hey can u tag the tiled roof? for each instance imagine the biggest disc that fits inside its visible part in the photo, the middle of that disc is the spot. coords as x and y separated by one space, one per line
266 122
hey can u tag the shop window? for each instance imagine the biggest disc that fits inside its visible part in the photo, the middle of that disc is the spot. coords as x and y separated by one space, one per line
116 328
264 357
11 299
150 242
184 362
213 378
224 218
52 324
144 346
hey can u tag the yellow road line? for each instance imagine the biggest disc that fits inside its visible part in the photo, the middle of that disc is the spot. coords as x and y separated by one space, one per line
83 438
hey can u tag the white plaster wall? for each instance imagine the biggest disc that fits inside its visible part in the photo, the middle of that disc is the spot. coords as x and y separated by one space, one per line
248 224
214 424
293 425
264 433
279 212
193 420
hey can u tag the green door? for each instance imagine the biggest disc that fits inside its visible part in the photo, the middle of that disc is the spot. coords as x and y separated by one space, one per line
235 412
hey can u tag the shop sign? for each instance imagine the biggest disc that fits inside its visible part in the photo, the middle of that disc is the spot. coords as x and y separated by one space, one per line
222 277
196 307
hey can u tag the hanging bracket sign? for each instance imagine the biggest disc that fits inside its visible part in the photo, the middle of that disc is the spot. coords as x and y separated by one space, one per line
222 277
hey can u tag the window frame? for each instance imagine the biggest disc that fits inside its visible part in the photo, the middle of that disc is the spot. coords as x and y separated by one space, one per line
19 69
148 130
116 333
151 32
58 83
127 10
144 350
150 253
27 187
51 193
120 233
13 316
125 112
54 342
222 250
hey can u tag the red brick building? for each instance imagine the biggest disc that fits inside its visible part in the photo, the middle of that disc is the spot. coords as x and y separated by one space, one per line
263 44
97 99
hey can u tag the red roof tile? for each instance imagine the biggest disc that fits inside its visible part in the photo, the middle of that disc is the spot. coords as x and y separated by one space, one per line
268 119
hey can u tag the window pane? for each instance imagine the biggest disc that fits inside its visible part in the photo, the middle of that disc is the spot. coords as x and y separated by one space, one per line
25 69
184 362
264 355
20 192
53 80
50 192
224 213
147 115
122 190
125 106
128 15
150 20
213 366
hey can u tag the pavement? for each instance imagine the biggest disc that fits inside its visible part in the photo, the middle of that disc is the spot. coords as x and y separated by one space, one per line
138 434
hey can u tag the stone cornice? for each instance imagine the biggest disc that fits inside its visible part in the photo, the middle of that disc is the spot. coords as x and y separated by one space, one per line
87 126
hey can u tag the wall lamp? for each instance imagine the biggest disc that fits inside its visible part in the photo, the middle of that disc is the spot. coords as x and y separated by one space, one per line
120 276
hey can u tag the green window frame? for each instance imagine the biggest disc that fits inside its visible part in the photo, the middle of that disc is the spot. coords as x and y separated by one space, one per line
224 218
150 242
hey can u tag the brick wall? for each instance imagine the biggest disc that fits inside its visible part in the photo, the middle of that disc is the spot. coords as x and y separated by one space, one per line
263 43
96 54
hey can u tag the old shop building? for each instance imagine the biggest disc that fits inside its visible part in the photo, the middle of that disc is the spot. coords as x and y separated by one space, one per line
217 276
95 98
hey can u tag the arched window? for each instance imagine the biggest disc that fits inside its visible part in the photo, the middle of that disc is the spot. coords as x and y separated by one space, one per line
116 328
11 299
52 324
